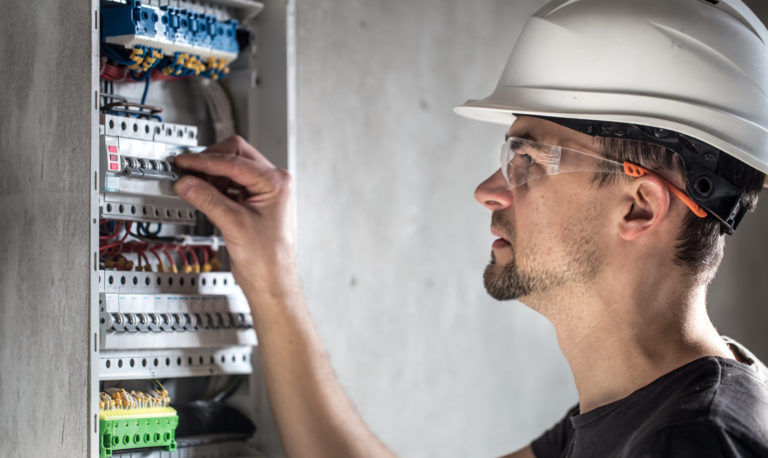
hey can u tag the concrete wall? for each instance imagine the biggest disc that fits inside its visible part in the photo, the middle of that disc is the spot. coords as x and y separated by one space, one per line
45 146
392 244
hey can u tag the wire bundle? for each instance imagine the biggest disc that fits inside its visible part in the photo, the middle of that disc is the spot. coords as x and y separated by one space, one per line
179 65
219 108
114 248
119 398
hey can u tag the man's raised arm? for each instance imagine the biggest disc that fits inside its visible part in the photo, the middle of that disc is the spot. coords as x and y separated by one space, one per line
251 204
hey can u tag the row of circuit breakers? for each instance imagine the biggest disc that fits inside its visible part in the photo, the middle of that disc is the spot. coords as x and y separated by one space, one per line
162 324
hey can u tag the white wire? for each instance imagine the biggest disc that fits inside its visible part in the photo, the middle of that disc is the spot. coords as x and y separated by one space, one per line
219 108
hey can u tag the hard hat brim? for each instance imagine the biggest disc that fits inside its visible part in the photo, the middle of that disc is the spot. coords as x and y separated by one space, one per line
506 102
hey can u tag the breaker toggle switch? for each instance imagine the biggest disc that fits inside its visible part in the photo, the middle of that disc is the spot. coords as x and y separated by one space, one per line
149 169
154 322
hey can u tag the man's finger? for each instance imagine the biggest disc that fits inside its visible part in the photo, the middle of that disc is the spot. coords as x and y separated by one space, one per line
254 178
237 146
204 197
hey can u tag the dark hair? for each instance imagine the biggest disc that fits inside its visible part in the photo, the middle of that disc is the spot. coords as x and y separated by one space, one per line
700 241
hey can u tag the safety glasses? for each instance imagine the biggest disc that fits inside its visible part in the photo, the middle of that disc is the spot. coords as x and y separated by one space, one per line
525 160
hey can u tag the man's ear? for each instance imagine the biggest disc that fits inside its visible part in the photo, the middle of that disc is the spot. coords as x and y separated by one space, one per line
646 207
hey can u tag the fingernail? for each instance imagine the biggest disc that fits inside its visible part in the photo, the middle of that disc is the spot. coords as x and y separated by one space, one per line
183 186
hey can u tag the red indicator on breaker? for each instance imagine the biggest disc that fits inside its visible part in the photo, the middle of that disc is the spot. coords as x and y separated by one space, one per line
114 166
112 148
113 157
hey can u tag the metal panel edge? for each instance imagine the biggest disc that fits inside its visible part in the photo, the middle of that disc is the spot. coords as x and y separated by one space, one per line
93 307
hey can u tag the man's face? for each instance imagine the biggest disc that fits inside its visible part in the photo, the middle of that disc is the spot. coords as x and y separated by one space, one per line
548 228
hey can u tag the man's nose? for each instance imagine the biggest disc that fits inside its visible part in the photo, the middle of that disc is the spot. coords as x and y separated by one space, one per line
493 193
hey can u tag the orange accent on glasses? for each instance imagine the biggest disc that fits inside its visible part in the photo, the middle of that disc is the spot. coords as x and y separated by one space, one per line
635 170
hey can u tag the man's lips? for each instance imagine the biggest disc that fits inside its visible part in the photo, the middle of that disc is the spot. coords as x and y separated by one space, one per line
501 242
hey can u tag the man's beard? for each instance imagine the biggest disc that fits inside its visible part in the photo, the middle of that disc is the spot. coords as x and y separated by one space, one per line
508 284
514 281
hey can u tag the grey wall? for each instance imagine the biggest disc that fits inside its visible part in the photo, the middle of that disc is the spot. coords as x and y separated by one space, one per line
392 245
45 146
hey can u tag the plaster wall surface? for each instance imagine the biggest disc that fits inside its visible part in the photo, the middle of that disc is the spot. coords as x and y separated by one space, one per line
392 244
44 221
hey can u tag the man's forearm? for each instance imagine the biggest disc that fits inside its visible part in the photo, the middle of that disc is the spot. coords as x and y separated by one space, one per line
314 416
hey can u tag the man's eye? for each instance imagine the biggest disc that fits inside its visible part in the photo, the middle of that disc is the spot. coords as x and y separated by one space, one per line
524 160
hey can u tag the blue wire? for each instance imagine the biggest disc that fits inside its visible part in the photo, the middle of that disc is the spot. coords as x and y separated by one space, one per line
115 56
146 85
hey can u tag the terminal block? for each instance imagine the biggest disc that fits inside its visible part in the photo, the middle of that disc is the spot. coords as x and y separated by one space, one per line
136 420
175 40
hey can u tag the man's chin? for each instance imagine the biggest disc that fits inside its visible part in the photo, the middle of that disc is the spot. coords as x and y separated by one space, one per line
504 282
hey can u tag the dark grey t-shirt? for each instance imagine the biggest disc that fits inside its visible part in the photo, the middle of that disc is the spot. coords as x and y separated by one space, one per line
711 407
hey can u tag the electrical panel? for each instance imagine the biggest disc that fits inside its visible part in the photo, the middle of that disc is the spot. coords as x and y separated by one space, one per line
175 335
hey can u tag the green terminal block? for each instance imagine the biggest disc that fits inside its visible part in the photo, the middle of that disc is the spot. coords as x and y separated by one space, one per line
122 429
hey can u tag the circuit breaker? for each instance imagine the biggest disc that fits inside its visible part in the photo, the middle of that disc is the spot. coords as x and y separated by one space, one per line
175 336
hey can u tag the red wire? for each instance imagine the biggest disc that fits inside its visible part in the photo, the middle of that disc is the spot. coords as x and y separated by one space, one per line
113 73
171 264
127 231
153 250
110 245
183 257
114 233
143 254
194 256
206 255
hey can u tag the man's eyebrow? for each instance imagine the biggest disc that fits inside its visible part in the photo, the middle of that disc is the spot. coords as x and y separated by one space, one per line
523 135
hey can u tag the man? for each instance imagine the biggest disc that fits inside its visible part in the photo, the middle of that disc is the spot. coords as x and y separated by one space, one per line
620 176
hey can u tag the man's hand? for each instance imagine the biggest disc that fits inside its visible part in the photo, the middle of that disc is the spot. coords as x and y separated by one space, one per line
249 200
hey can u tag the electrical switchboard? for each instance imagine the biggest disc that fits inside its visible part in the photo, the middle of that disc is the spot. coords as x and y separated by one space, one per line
175 335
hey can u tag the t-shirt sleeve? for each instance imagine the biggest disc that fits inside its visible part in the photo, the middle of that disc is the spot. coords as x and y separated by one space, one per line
554 442
696 440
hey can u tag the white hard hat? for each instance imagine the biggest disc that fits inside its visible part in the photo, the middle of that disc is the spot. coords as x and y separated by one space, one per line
648 70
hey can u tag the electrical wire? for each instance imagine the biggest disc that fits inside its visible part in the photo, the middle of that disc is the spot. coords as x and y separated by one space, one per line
171 264
196 263
183 257
115 56
219 107
146 85
114 233
154 252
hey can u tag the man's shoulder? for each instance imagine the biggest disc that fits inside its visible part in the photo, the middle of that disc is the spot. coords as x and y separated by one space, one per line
718 408
700 439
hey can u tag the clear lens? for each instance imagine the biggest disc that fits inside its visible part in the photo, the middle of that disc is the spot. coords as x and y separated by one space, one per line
525 160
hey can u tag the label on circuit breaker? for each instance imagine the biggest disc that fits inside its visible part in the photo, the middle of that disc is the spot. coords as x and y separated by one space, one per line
112 184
